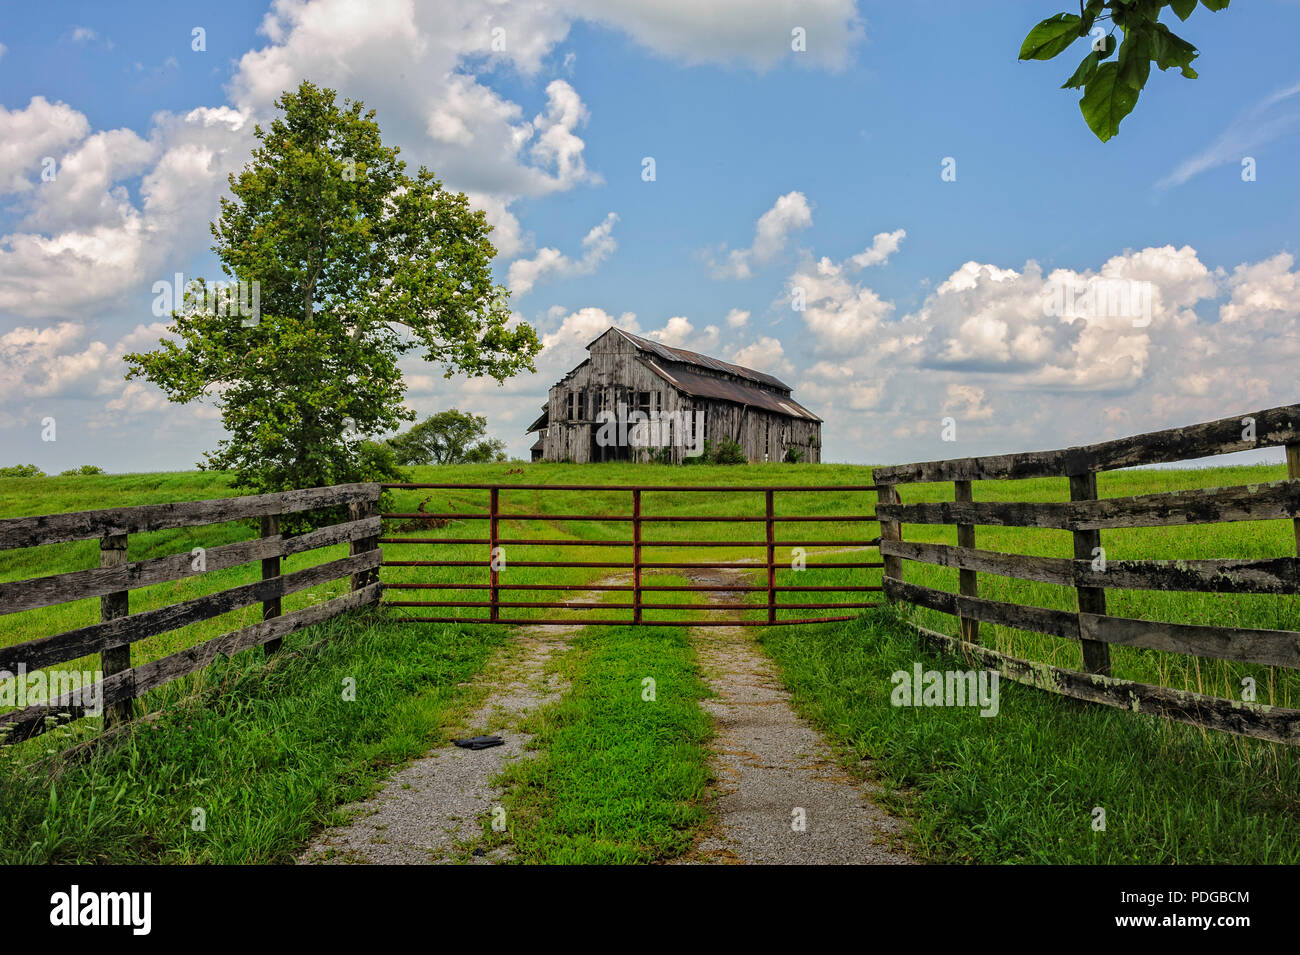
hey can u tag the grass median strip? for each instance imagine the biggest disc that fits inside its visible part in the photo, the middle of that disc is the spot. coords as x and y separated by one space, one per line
622 768
1024 786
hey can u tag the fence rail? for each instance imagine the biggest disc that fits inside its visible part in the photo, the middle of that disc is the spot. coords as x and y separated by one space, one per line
1273 428
119 629
1086 517
635 562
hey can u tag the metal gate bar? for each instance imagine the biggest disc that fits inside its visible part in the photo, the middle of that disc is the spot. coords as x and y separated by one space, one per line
494 515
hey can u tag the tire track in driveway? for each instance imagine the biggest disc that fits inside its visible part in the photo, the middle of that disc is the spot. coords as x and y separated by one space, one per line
773 770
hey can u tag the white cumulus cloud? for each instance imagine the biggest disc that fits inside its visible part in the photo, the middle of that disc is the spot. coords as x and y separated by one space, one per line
789 214
597 246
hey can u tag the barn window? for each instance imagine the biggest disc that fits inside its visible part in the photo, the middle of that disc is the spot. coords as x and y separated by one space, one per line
643 402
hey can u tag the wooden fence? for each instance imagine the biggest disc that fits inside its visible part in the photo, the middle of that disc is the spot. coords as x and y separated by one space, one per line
115 577
1086 517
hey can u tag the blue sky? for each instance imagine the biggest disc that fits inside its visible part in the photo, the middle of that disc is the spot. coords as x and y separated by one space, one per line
843 142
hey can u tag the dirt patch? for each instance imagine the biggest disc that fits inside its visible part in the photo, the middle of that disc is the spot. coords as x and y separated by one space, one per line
781 797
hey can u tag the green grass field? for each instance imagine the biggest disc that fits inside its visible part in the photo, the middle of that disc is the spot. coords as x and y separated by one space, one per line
264 747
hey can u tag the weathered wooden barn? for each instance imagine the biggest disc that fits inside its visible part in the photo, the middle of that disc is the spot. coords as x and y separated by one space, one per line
635 399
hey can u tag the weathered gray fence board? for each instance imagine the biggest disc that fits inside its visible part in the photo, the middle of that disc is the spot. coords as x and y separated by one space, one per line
1272 575
159 672
79 525
32 720
1059 623
1275 723
77 585
1246 502
1249 502
1268 647
1273 427
1048 570
35 654
1049 514
1029 464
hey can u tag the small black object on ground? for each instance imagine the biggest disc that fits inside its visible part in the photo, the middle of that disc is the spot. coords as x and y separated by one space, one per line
479 742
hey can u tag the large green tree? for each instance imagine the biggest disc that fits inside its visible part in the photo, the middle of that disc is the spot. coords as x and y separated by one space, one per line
1111 87
358 263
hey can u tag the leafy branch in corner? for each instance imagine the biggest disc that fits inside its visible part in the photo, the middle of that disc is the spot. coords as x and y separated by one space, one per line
1111 87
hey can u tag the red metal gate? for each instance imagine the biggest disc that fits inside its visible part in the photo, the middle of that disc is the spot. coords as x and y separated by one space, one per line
494 515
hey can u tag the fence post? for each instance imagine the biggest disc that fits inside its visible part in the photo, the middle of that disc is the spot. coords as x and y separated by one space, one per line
112 553
494 509
1096 655
270 570
890 530
1293 472
771 557
636 555
360 511
967 580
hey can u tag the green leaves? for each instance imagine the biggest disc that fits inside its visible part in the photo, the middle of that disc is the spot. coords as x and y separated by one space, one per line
1134 61
1106 101
1111 89
1051 37
1084 73
1171 50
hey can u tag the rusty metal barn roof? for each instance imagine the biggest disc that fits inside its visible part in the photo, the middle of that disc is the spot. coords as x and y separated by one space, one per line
743 393
668 353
